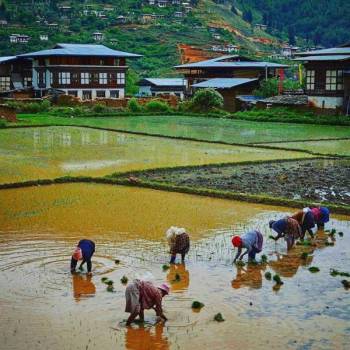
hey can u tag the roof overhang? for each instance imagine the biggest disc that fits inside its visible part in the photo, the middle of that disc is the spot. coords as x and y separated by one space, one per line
224 83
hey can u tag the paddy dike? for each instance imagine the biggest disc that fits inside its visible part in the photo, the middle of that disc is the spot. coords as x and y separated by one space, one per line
319 180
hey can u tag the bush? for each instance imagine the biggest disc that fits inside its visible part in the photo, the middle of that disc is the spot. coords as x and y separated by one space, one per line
2 123
32 107
269 87
134 106
206 100
157 106
99 108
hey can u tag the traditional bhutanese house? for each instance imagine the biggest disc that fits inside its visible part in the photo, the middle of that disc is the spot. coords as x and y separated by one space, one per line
229 66
85 71
328 77
229 88
166 86
15 74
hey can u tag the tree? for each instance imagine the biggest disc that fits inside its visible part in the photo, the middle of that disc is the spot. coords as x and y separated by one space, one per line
206 100
291 35
248 16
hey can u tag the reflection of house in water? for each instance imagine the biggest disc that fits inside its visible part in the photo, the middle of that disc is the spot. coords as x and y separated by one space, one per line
66 139
36 138
249 276
83 287
85 138
146 338
104 138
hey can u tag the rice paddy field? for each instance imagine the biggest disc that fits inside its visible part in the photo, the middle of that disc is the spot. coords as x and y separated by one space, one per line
43 306
202 128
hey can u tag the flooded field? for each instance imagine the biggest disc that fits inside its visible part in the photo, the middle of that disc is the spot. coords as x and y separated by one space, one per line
336 147
44 307
42 153
203 128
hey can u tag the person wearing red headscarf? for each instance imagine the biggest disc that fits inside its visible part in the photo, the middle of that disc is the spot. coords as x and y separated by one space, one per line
252 241
83 251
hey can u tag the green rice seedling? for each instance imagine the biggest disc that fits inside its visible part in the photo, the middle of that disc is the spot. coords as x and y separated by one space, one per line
197 305
333 231
346 284
110 289
304 242
124 280
304 256
264 259
104 279
314 269
341 234
109 283
329 244
240 263
218 317
334 273
165 267
117 261
272 237
268 275
277 279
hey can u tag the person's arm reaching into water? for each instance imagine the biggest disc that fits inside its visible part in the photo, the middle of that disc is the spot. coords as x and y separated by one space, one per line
73 265
159 311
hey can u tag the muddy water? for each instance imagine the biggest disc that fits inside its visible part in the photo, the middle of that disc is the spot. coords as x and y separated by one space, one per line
37 153
44 307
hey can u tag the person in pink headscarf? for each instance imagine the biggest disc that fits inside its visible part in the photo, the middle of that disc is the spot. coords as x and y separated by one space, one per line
83 251
143 295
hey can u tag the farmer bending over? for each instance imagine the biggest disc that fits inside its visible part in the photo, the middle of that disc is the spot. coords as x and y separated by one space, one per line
306 221
141 295
252 241
288 228
83 251
179 243
321 215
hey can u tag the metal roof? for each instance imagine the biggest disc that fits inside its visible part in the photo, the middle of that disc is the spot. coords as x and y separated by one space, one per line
220 63
223 83
324 58
165 81
79 50
331 51
7 58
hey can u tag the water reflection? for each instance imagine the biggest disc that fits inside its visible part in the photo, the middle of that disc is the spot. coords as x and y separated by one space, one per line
142 338
249 276
178 277
83 287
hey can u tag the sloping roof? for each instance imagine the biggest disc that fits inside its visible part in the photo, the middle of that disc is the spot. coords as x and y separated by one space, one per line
79 50
164 82
324 58
331 51
220 62
7 58
223 83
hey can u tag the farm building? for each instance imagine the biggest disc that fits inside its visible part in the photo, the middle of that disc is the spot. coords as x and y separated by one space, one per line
154 87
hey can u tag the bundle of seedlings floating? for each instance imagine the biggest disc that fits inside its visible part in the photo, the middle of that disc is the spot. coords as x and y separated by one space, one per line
197 305
263 259
304 255
268 275
278 280
341 234
314 269
218 317
240 263
335 272
117 261
346 284
109 283
165 267
329 244
272 237
110 288
104 279
124 280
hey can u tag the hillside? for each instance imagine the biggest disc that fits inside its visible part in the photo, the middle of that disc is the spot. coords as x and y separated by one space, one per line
320 21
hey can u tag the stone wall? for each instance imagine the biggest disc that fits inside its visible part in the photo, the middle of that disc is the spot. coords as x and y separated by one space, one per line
8 113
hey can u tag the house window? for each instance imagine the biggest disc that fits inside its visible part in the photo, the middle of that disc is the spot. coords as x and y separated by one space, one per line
51 78
114 93
85 78
340 80
73 93
64 78
74 78
331 80
120 78
87 95
94 78
103 78
27 81
100 93
310 80
5 83
42 78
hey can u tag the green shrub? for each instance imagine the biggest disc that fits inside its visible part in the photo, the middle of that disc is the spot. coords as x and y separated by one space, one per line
2 123
206 100
197 305
269 87
134 106
157 106
99 108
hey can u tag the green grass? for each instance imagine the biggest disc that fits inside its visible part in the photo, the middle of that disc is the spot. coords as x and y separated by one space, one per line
201 128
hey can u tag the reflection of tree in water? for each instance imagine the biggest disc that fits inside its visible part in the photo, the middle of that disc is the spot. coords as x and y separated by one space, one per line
150 338
249 276
82 287
184 277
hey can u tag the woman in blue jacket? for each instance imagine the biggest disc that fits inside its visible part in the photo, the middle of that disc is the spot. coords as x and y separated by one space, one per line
83 251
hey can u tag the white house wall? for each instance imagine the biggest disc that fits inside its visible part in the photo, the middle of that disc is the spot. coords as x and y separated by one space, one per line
326 102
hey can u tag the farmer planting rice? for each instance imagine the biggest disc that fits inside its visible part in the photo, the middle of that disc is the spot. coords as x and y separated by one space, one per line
252 241
288 228
83 251
179 243
306 221
143 295
321 216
